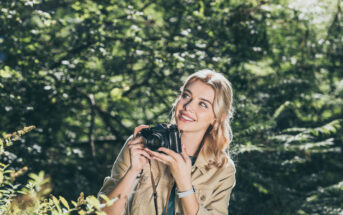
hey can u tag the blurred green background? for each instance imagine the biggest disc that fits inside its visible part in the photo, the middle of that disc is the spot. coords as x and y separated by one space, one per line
86 73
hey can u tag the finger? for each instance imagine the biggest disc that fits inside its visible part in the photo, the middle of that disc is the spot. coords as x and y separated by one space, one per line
138 129
136 146
145 155
148 150
140 144
136 140
140 152
161 156
170 152
158 159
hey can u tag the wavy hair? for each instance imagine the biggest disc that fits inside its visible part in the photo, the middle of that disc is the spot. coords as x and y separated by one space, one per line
216 141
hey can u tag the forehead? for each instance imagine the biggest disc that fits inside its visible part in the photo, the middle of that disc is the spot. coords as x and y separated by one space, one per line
202 90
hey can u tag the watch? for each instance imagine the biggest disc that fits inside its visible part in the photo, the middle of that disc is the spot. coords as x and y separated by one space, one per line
185 193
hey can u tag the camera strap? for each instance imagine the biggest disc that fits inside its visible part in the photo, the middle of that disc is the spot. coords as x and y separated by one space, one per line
153 188
167 203
155 193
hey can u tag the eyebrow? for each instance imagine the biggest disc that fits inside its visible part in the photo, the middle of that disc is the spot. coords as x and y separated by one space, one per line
187 90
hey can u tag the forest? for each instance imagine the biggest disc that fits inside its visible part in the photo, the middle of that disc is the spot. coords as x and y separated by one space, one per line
84 74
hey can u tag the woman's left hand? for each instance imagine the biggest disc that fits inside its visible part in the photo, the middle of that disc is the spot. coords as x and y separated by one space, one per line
180 165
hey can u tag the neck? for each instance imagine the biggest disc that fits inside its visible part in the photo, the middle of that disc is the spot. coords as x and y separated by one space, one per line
192 141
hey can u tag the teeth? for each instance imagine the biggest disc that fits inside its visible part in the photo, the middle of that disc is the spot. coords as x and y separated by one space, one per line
186 118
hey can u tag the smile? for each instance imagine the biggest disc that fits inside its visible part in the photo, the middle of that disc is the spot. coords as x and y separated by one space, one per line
184 118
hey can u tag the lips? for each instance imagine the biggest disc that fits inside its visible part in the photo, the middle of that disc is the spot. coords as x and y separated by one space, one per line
185 117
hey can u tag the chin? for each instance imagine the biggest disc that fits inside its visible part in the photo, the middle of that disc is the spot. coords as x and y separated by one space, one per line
182 126
186 128
179 126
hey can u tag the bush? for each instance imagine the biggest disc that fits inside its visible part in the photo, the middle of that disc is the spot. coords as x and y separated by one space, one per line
34 196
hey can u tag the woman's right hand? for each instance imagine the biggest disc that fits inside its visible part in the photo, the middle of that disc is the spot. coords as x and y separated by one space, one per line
139 157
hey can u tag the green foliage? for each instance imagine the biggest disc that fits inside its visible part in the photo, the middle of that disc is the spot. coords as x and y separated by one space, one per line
32 198
86 73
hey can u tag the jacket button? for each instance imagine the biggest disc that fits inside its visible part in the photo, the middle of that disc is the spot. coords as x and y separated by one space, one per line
202 198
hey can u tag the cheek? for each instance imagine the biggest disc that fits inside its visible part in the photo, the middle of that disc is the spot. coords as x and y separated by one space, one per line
178 107
205 116
180 104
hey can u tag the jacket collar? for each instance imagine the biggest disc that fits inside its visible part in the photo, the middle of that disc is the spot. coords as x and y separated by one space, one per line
200 163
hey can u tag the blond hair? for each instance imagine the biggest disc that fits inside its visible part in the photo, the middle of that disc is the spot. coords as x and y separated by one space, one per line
216 141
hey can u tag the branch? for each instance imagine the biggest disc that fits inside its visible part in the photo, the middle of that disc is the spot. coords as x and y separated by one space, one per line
71 52
334 21
91 102
91 127
105 116
98 142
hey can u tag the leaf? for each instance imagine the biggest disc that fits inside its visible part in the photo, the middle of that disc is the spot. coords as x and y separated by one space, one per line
64 202
74 203
280 109
260 188
56 203
327 129
81 199
82 212
92 200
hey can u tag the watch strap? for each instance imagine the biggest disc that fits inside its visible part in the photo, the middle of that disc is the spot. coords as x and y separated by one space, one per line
185 193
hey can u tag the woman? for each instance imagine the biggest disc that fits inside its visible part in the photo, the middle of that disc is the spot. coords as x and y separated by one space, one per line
197 181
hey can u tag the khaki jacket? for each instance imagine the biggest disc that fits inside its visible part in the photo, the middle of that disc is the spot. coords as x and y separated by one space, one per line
212 187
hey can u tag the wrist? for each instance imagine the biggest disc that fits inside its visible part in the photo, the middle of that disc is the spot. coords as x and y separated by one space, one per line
134 172
185 193
181 187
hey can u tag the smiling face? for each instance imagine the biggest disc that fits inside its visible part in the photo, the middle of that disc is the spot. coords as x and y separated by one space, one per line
194 111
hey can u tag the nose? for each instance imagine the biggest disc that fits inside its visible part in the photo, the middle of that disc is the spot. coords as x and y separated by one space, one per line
188 105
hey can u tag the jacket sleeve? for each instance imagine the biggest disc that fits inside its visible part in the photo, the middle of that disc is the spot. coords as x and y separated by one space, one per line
221 194
119 169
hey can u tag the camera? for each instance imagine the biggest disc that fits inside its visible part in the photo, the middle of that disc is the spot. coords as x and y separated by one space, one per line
162 136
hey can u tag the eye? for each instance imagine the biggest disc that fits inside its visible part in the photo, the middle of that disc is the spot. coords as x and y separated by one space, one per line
203 104
185 95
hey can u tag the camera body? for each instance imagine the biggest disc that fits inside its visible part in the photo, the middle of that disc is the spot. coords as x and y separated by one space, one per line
162 136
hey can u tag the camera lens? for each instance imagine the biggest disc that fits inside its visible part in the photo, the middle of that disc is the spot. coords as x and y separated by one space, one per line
154 142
